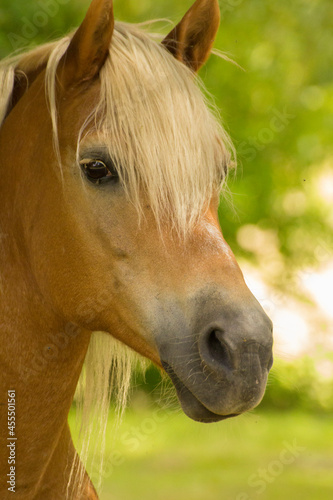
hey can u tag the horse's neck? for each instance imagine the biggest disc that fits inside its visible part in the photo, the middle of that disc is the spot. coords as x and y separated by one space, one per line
41 359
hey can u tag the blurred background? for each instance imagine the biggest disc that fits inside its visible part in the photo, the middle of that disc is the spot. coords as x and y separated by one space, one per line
278 220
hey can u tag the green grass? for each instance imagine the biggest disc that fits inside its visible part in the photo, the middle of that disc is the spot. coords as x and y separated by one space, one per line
247 458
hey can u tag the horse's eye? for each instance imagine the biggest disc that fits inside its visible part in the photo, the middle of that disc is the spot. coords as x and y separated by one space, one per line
97 172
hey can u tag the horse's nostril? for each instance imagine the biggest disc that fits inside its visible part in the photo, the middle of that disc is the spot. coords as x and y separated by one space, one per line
218 350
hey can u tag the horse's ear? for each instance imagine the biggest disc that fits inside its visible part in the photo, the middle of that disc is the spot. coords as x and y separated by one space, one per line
192 39
89 46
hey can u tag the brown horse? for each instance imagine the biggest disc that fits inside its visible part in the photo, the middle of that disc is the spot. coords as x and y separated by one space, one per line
111 167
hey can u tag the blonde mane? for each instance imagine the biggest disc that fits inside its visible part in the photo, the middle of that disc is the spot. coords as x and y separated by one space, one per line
167 142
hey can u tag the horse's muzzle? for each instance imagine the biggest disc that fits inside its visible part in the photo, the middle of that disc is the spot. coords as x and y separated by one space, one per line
221 370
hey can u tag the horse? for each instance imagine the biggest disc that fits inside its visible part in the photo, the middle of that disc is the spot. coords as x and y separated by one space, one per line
112 163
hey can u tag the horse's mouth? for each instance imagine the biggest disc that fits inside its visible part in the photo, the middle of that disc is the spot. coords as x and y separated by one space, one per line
191 405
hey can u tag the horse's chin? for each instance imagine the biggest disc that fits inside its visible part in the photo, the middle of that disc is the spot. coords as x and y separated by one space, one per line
190 404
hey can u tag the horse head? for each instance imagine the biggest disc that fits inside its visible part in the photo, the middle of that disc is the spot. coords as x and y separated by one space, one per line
131 198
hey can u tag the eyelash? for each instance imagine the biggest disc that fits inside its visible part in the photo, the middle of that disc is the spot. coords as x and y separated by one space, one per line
98 171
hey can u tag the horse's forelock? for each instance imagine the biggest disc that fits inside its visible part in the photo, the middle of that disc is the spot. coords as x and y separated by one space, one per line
158 125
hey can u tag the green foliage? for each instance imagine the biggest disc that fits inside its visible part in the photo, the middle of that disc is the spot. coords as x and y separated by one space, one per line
286 49
305 383
27 24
